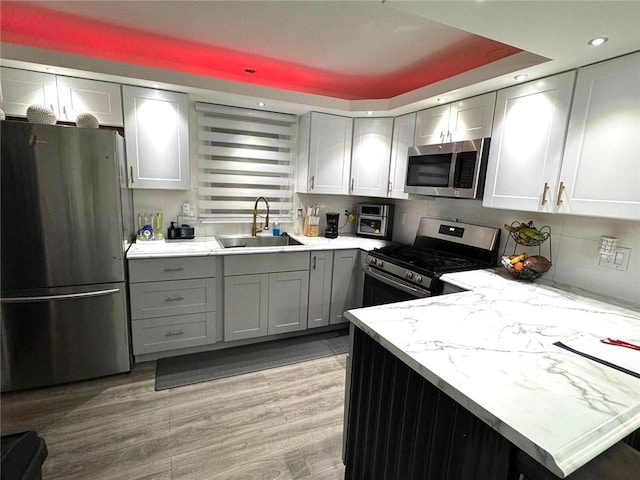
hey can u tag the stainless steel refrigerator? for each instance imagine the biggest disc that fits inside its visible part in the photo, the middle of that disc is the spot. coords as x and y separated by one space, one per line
66 223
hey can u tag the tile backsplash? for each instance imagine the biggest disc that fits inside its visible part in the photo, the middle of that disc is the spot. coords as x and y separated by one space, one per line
574 241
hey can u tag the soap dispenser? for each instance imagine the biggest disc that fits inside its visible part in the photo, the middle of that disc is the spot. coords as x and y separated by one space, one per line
172 231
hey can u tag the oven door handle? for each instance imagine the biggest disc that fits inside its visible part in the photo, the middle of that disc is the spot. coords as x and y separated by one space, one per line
396 282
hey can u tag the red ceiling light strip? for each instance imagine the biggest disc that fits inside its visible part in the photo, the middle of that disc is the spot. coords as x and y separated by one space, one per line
31 25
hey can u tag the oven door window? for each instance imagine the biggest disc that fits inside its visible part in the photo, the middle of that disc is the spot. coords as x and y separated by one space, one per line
429 170
379 293
371 226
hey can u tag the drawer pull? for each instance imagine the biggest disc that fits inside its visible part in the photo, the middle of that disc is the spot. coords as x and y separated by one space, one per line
173 269
175 333
173 299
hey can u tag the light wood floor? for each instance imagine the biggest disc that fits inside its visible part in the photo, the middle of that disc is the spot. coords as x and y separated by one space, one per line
279 424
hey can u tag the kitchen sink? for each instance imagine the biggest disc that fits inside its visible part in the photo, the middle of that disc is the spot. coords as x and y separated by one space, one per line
253 242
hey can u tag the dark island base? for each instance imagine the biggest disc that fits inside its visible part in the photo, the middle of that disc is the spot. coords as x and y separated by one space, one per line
401 427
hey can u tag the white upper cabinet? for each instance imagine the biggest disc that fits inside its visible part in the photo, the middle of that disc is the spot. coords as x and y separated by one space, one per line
22 88
404 128
600 173
324 153
371 156
525 155
464 120
157 138
101 99
67 96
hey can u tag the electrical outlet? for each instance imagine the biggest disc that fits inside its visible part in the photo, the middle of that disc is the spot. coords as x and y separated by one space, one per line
619 260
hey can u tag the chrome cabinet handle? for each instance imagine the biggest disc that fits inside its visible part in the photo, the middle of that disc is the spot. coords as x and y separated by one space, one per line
389 187
545 190
313 182
173 269
174 333
173 299
560 192
131 174
314 263
353 181
442 136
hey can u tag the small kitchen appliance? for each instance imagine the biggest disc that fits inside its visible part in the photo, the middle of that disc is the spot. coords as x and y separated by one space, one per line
332 225
401 272
374 221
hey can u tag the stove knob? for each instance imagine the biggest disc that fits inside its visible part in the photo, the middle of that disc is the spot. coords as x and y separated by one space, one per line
409 275
379 263
371 260
418 278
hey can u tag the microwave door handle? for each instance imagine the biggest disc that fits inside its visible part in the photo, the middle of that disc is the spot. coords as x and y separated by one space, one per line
452 169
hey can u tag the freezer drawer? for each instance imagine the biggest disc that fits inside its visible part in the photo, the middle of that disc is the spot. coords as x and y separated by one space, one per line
63 335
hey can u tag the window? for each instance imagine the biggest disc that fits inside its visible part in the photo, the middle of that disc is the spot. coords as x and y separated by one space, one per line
244 154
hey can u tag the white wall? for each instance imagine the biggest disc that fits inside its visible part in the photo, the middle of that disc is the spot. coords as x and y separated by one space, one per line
574 241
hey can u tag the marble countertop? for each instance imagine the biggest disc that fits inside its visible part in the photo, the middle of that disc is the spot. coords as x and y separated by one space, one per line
492 349
203 246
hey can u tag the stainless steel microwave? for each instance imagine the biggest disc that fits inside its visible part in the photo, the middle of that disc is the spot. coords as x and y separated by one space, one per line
456 169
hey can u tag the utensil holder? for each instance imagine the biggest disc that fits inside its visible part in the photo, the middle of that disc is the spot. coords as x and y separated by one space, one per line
310 228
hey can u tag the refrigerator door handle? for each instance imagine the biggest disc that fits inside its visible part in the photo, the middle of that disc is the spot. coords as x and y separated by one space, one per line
70 296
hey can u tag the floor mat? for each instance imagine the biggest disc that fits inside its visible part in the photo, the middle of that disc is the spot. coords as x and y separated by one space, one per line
184 370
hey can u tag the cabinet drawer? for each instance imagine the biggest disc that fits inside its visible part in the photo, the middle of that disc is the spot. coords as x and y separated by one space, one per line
176 268
178 297
265 263
170 333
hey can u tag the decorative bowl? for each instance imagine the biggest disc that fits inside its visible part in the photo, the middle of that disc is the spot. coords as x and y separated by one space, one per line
41 114
86 120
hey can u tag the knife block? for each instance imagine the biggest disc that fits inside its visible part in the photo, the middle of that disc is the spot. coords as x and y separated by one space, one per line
310 227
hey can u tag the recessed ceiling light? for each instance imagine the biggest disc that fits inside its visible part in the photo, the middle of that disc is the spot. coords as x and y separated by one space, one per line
594 42
521 77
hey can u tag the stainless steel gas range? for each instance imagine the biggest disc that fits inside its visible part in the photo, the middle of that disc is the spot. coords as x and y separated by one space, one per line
401 272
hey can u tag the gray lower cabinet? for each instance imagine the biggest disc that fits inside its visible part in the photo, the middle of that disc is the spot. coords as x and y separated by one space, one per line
173 303
347 284
320 276
265 294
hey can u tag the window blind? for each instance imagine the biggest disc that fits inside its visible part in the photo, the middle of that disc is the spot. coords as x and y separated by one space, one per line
244 154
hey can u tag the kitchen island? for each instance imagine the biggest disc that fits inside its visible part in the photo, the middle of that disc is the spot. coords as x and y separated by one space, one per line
488 353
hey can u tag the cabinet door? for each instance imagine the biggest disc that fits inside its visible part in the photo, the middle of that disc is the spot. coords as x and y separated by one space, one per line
432 126
371 156
288 300
320 274
329 153
347 284
404 128
471 118
530 125
600 170
22 88
101 99
157 138
246 303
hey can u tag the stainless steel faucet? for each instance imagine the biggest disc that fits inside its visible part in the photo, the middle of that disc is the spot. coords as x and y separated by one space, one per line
254 229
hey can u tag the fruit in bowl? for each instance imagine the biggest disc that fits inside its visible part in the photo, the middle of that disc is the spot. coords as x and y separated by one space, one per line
525 266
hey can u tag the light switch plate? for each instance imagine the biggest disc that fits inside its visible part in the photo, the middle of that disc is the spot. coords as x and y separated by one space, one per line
618 261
